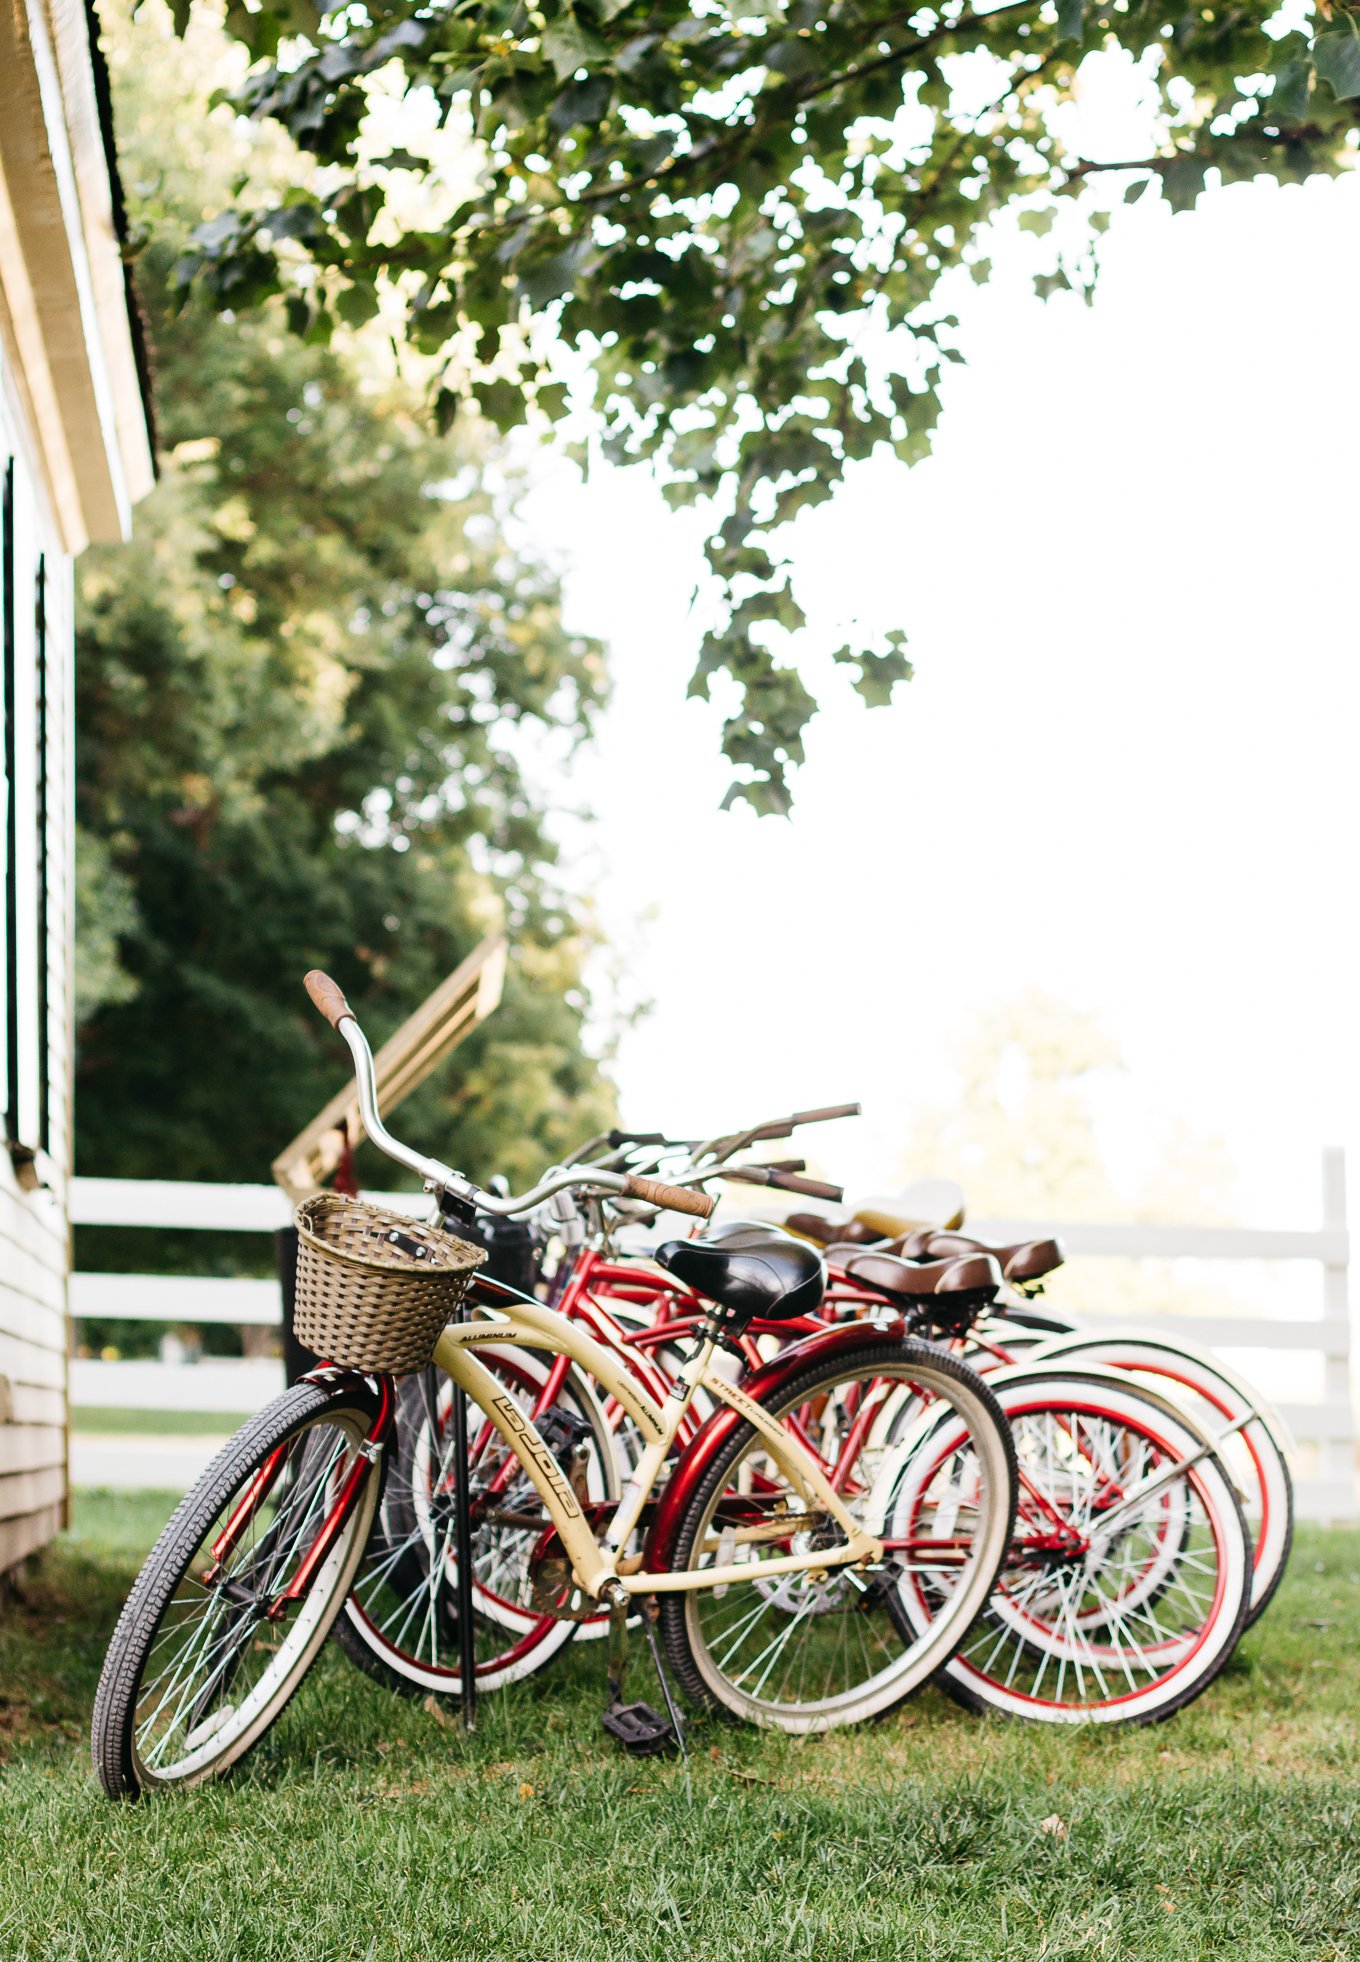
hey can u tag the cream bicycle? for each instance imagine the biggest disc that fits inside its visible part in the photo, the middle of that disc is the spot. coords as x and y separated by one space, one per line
777 1544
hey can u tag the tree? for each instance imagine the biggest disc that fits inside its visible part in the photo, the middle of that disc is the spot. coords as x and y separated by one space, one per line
1020 1131
742 216
311 696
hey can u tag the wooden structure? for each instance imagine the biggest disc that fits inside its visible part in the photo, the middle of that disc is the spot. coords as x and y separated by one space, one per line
424 1039
75 455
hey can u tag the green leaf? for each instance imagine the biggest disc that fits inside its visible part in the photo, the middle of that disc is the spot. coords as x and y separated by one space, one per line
401 160
879 673
795 57
1288 101
767 796
1337 56
501 402
1071 19
356 304
550 278
583 102
1183 180
570 46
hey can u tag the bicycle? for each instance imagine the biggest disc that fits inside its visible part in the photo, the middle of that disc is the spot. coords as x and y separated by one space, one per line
1249 1436
773 1550
643 1314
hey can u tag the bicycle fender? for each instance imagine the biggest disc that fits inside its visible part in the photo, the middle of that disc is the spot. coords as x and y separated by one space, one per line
1274 1424
708 1441
1101 1375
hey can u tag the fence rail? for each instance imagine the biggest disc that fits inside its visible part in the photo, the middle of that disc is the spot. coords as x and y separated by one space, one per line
1325 1428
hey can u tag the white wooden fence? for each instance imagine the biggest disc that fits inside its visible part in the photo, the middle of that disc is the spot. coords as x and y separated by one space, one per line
1325 1428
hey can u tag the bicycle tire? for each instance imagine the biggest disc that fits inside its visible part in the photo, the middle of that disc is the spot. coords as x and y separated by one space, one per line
701 1674
118 1762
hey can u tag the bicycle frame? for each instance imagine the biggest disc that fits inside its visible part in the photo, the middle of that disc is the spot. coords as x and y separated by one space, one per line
601 1568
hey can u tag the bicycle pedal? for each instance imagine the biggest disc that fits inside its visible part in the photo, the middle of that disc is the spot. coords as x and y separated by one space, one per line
642 1731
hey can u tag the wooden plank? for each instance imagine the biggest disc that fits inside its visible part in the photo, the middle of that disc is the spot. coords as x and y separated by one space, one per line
1232 1332
31 1278
195 1203
1140 1240
179 1203
31 1321
29 1491
201 1204
31 1220
29 1404
424 1039
31 1447
31 1362
26 1534
1338 1450
1326 1501
1314 1423
221 1384
177 1298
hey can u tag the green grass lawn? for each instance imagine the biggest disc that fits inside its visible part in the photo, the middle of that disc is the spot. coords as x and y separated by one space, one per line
367 1827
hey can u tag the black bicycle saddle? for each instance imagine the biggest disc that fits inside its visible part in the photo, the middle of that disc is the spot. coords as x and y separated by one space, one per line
754 1271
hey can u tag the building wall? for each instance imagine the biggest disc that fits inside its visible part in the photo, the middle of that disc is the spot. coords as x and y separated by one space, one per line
35 992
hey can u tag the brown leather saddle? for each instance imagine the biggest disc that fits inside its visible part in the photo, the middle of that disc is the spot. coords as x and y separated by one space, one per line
1023 1262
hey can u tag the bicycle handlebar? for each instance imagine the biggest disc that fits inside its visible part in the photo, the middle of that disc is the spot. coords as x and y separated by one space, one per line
330 1000
675 1198
785 1181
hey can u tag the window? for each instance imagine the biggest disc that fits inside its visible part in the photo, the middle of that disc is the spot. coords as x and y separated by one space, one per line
9 925
42 951
25 814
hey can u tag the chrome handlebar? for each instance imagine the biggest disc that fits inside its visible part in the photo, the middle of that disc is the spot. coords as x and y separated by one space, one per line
432 1170
442 1178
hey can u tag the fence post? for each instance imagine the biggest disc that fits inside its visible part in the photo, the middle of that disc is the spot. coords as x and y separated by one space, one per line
1337 1452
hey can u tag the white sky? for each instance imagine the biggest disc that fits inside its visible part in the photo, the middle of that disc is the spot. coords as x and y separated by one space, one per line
1125 769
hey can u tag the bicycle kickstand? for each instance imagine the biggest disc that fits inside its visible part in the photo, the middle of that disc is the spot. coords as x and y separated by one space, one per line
642 1731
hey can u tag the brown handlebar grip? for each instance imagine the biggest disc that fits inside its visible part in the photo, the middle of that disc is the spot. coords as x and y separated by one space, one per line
810 1188
675 1198
825 1116
327 996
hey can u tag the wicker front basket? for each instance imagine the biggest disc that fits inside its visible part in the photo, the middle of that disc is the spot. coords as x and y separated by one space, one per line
375 1289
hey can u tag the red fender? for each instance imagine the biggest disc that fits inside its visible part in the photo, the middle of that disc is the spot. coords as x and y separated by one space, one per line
760 1384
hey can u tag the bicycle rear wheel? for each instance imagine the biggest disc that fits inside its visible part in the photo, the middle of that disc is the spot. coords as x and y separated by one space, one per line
810 1650
1129 1577
1247 1434
212 1642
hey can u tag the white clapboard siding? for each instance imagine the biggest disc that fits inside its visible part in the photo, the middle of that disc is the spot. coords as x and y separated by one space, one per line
34 1230
75 450
33 1347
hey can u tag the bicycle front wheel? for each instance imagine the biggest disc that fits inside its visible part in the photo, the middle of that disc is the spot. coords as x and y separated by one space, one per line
239 1593
400 1623
829 1646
